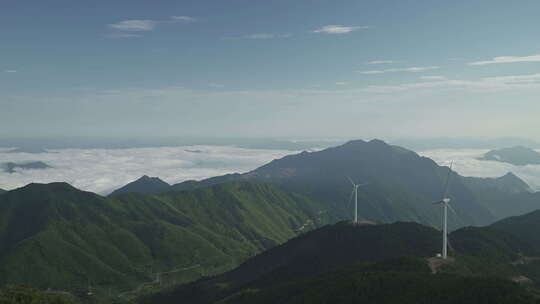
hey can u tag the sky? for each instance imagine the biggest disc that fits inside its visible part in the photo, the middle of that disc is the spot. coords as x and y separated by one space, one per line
269 68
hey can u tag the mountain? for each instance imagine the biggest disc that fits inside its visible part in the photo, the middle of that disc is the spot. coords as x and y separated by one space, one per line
503 196
518 155
56 236
401 187
146 185
524 227
508 183
381 284
29 149
10 167
387 263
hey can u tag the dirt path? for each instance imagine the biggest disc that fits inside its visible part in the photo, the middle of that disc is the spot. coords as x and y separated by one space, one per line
156 281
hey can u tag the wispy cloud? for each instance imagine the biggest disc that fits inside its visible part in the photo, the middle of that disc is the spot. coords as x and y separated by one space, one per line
183 19
128 28
409 69
434 77
122 35
134 25
508 59
10 71
531 81
341 83
339 29
258 36
380 62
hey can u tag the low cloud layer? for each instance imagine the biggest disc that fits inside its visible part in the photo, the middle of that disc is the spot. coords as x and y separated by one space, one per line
508 59
339 29
466 163
103 170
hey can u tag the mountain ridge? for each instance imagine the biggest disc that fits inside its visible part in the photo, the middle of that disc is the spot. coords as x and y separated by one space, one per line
517 155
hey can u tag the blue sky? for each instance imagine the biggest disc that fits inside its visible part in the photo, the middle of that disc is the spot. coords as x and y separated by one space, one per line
269 68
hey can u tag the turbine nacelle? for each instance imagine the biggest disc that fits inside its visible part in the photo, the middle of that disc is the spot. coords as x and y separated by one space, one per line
446 200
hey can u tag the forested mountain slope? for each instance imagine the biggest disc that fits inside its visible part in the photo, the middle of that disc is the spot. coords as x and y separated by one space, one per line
60 237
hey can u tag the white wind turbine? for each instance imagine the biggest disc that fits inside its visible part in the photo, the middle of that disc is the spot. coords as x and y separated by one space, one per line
355 191
445 202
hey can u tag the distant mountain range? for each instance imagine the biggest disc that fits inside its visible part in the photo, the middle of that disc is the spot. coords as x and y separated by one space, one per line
388 263
10 167
519 156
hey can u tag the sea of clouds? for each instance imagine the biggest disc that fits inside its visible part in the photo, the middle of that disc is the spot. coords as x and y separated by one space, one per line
104 170
466 163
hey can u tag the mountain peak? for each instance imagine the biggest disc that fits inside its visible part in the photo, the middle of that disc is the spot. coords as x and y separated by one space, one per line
55 186
355 142
362 143
146 185
376 141
510 175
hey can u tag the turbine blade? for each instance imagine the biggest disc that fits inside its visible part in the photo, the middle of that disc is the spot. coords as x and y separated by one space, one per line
445 194
350 199
451 209
362 185
437 202
351 181
352 193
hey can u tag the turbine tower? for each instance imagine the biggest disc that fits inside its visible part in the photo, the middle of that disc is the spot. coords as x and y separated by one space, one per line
445 202
355 191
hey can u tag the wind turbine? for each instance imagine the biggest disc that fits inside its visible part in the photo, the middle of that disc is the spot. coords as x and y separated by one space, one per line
445 202
355 191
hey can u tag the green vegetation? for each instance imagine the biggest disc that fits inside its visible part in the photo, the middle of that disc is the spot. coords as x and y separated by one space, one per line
524 227
360 286
55 236
13 294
